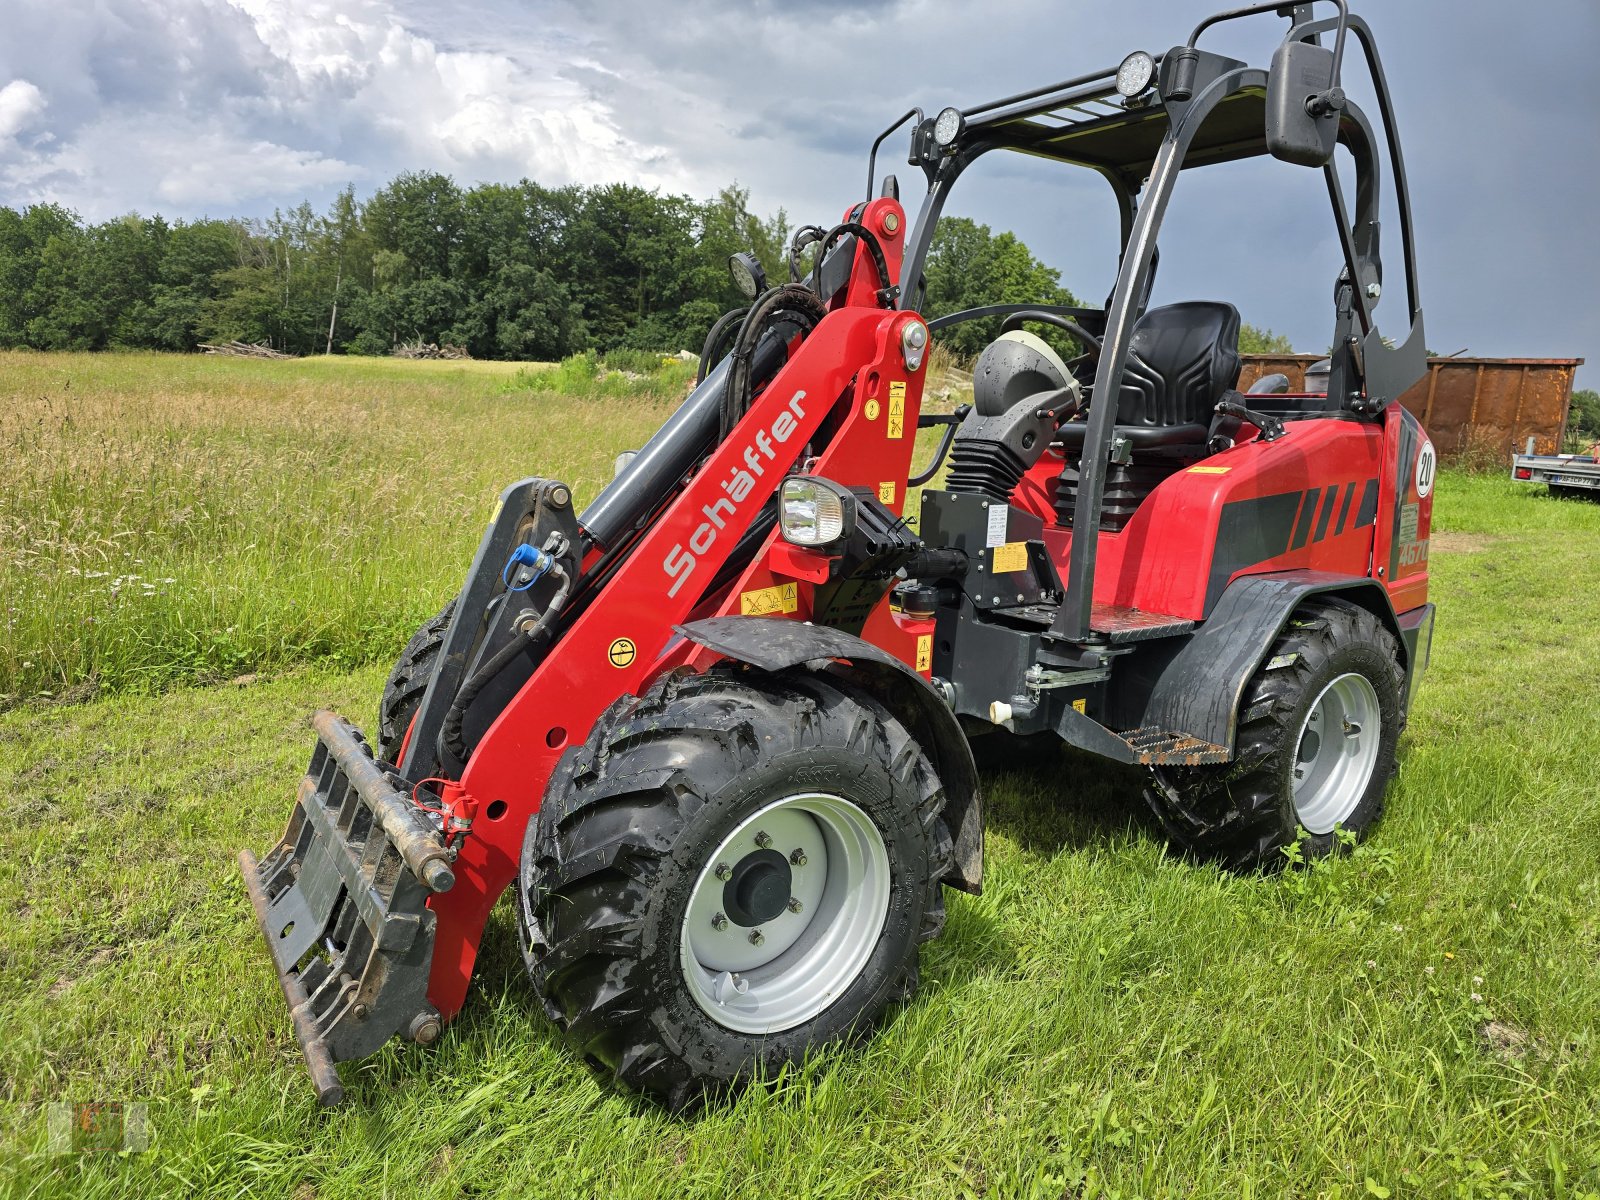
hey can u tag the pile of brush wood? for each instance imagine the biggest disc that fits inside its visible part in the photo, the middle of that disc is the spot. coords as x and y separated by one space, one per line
420 349
238 349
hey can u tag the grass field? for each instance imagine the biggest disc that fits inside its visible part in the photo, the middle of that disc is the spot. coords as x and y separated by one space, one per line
180 519
1420 1019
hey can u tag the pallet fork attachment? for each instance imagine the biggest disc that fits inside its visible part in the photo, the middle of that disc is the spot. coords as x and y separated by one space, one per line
342 903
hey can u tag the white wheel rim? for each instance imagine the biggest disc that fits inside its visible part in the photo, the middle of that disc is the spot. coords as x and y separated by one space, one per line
1335 753
806 959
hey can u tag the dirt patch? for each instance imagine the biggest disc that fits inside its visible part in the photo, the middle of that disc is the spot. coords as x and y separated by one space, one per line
1509 1043
1461 543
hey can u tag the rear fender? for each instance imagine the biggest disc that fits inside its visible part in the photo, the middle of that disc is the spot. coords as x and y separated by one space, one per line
1200 690
775 645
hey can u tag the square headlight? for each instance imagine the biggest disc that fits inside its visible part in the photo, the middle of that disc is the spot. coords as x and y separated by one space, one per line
815 512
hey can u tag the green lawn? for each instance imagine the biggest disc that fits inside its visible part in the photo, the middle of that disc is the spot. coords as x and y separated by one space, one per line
1417 1020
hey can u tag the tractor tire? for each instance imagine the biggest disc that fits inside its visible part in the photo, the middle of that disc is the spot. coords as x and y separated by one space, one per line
1334 670
734 870
402 693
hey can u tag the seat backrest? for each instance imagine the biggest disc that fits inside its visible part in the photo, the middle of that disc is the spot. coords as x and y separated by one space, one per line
1185 357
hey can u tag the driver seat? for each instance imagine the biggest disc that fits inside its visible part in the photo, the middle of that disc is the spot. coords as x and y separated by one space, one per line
1183 359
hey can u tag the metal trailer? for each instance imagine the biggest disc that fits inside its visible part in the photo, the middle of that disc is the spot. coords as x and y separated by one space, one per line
1481 404
1563 474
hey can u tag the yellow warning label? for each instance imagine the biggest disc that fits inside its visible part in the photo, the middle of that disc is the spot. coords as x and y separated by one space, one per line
1081 705
784 598
1012 556
1209 470
925 652
886 492
622 652
872 408
495 515
897 409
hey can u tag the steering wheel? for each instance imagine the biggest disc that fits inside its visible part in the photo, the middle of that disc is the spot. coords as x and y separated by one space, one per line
1090 343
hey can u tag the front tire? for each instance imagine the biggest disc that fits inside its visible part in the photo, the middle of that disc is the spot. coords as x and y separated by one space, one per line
734 870
408 682
1319 726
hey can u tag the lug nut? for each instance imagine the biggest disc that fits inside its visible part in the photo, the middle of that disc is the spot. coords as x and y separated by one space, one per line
756 937
794 904
797 859
723 871
763 839
719 922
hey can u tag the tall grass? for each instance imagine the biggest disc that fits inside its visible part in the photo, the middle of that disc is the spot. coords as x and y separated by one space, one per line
168 518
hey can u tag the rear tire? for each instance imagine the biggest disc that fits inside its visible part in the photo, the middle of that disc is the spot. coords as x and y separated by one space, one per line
620 891
402 693
1308 758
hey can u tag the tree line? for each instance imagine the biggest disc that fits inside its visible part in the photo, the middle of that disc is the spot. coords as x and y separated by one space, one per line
511 271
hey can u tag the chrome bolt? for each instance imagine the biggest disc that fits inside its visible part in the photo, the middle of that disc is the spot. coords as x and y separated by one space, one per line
1374 290
794 904
763 839
719 922
723 871
797 859
756 937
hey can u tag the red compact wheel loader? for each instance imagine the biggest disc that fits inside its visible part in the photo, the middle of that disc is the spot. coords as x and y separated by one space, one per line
716 729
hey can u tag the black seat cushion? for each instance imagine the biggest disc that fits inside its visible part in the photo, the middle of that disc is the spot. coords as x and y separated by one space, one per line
1185 356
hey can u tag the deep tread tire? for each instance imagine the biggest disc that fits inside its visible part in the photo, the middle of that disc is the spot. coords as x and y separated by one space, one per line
1242 814
631 819
402 693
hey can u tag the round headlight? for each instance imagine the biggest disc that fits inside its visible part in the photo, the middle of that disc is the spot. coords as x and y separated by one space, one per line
947 126
1135 73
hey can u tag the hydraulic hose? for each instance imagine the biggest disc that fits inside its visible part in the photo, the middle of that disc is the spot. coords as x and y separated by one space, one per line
789 298
452 733
711 350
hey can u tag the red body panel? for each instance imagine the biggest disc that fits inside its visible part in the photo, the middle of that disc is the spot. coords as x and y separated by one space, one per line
1318 499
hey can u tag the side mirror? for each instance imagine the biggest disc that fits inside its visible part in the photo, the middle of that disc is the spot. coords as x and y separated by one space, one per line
1303 105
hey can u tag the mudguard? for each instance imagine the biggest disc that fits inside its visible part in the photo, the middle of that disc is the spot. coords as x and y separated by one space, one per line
1200 690
774 644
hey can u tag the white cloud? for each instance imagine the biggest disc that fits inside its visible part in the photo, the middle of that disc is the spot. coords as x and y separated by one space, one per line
191 106
20 103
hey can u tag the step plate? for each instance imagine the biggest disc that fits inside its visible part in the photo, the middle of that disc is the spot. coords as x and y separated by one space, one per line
1122 624
1162 748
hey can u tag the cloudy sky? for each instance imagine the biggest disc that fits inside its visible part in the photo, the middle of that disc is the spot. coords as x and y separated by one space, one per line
234 107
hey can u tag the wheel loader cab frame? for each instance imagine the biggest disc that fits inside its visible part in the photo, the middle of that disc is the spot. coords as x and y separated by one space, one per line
1202 109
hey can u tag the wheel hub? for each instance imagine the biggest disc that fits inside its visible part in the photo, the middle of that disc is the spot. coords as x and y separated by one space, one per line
1336 752
785 915
758 890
